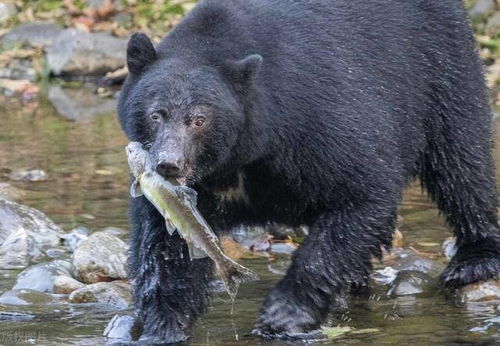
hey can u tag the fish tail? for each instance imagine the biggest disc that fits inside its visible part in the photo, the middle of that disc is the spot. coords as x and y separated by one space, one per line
234 274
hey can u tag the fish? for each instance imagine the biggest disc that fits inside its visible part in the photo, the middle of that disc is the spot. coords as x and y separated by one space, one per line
177 204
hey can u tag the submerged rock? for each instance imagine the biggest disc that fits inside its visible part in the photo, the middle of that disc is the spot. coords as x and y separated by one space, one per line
480 292
76 52
115 293
15 316
41 277
122 328
28 175
24 234
79 104
11 193
101 257
410 283
24 297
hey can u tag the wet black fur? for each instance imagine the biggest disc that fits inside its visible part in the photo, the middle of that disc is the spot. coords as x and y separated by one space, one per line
352 100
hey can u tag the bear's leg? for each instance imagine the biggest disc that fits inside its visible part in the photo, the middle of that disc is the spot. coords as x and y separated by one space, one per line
334 257
170 290
458 173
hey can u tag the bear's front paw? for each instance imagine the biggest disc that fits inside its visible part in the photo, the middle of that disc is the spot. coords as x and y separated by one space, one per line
470 270
282 316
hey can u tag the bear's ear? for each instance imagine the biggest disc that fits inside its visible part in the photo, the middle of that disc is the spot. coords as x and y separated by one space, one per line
140 53
246 69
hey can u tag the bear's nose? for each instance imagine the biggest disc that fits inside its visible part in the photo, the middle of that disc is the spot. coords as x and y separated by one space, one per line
168 169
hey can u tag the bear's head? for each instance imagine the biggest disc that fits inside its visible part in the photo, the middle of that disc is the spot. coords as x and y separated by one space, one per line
194 116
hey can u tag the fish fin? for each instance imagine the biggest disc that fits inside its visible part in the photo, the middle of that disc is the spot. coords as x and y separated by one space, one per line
195 252
187 195
135 189
170 227
233 274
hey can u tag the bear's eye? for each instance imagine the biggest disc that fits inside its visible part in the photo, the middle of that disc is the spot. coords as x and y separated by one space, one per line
199 122
155 116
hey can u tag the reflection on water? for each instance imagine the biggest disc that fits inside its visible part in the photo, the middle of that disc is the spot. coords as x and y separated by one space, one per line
88 185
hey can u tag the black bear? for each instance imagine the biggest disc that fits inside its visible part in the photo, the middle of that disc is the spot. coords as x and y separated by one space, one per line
316 113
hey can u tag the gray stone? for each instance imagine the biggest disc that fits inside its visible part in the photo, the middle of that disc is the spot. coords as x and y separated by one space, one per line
450 247
101 257
116 293
76 52
409 260
28 175
79 104
41 277
74 238
493 24
410 283
480 292
65 285
482 9
25 233
36 34
11 193
121 328
24 297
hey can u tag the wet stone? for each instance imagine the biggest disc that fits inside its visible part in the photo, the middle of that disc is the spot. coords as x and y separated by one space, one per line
410 283
11 193
24 297
65 285
74 238
122 328
28 175
450 247
15 316
40 277
409 260
283 248
116 293
24 234
101 257
385 276
481 292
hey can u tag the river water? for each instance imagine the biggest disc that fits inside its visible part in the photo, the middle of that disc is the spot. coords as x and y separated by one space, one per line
88 186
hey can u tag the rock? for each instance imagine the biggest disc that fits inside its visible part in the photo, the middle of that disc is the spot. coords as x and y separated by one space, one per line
79 104
6 11
114 231
410 260
410 283
41 277
79 53
397 239
122 328
482 9
385 276
115 293
493 24
10 192
480 292
450 247
36 34
15 316
235 250
283 248
74 238
24 234
28 175
56 252
65 285
24 297
261 245
101 257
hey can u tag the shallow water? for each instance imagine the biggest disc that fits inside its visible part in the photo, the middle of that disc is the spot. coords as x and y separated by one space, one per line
88 185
